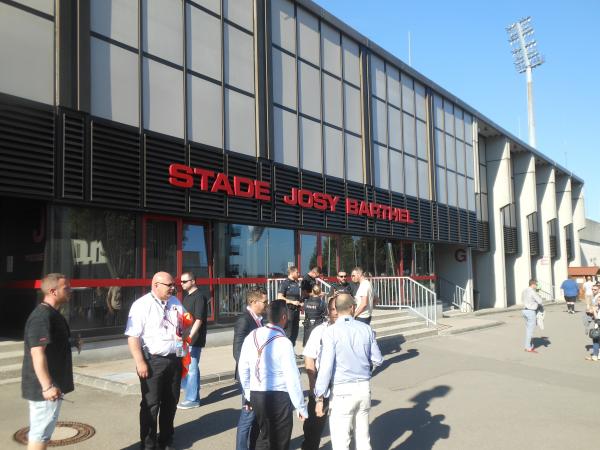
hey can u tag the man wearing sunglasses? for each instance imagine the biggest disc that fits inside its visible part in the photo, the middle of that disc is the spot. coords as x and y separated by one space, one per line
154 330
342 286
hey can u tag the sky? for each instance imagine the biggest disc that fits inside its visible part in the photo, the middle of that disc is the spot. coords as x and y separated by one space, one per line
462 46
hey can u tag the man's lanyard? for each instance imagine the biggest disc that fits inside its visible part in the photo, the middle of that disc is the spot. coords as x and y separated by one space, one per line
260 348
164 309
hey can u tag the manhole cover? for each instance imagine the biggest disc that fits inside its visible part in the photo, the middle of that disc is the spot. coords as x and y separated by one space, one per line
66 433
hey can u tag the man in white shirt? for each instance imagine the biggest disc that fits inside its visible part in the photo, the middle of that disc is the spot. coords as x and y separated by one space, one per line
363 297
313 426
154 330
587 291
270 379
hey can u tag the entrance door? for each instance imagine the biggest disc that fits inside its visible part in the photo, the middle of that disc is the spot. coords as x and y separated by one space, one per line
318 249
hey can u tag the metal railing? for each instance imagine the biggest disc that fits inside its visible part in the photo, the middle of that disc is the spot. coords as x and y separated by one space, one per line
462 299
546 291
406 293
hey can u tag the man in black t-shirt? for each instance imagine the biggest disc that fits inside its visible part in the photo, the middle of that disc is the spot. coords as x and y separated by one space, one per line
47 372
309 281
289 290
197 305
342 286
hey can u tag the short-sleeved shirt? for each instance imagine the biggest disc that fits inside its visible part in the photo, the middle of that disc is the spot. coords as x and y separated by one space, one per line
570 288
315 308
290 289
365 289
307 285
46 327
587 287
155 323
197 305
345 288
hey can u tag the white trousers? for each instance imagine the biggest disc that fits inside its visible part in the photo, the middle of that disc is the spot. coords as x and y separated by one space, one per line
349 409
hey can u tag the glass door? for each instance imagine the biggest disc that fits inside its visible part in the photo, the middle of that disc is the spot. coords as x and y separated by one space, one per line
160 246
308 252
317 249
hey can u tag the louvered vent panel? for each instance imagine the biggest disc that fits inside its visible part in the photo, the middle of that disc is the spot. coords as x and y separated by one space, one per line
160 194
116 165
425 219
73 155
483 236
454 224
399 229
357 192
285 180
510 240
443 224
312 218
464 226
473 228
412 204
569 244
242 208
383 225
266 174
553 247
206 203
26 150
534 245
336 220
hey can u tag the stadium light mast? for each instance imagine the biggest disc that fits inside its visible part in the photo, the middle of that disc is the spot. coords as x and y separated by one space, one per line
526 58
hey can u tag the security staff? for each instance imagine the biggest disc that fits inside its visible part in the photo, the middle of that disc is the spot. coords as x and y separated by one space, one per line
315 311
349 352
154 330
289 291
342 286
309 281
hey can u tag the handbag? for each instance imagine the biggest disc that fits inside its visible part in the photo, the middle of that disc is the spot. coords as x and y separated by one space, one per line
594 333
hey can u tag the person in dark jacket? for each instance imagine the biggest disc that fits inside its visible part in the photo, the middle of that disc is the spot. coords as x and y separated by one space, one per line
315 311
342 286
249 320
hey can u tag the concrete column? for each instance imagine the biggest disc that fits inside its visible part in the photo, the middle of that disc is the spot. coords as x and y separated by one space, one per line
498 180
526 203
564 211
546 206
578 219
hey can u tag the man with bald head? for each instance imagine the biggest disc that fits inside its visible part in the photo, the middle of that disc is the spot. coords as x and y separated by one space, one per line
154 328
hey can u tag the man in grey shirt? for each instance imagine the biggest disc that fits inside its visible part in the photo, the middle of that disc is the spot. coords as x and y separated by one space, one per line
532 302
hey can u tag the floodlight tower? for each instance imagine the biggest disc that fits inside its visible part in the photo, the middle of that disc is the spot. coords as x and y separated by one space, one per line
526 58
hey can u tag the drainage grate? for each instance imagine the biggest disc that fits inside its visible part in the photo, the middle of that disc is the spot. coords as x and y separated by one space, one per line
81 432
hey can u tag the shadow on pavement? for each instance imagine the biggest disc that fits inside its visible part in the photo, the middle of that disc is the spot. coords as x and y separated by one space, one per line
222 393
411 353
217 422
543 341
423 428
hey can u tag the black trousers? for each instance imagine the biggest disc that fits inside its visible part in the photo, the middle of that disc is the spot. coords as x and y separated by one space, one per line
293 324
273 411
160 394
308 327
366 320
313 426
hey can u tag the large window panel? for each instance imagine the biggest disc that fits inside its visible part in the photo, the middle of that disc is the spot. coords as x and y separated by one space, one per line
334 152
483 178
332 57
285 128
460 158
283 24
26 55
240 12
470 161
205 112
393 86
470 195
308 37
448 117
114 83
396 171
163 98
468 129
352 109
203 43
452 201
239 123
441 189
332 100
395 127
421 140
450 153
380 166
409 134
354 158
410 175
163 29
310 145
408 94
440 152
459 124
423 168
438 112
379 122
378 77
45 6
239 58
351 61
421 103
310 90
284 79
212 5
116 19
462 191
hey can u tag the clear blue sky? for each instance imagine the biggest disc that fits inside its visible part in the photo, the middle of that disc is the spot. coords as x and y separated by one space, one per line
462 46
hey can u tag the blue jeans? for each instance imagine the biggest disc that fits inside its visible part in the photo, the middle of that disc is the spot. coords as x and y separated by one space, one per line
192 380
595 347
530 322
245 437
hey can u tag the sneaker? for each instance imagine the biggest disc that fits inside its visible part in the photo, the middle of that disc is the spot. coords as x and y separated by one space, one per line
188 405
531 350
591 358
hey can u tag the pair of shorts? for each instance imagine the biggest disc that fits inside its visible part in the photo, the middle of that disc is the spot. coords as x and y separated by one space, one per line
570 299
42 419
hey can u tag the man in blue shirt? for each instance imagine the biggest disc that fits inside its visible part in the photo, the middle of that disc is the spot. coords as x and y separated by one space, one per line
349 352
570 290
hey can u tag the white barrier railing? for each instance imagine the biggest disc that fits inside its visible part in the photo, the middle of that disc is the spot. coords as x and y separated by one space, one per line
406 293
462 299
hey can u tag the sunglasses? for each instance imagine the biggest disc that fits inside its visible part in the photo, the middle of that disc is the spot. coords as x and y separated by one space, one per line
342 276
186 281
171 285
